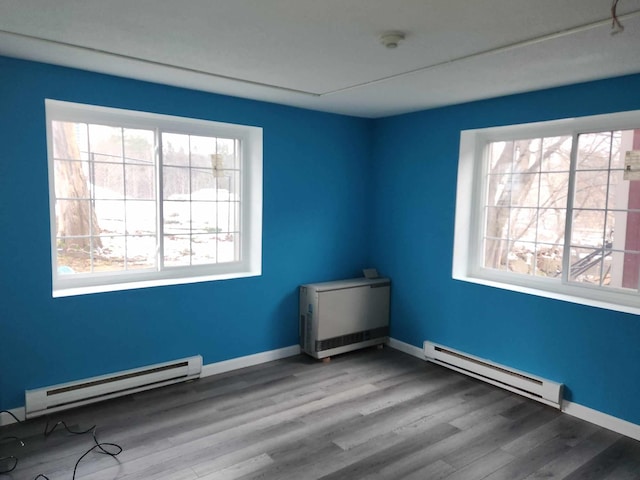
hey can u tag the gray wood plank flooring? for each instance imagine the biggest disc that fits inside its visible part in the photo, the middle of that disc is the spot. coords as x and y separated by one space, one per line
371 414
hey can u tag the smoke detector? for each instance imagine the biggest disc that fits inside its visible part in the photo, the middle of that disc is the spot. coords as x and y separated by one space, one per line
392 39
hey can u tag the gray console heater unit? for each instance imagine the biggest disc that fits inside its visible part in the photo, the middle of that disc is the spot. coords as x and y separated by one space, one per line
340 316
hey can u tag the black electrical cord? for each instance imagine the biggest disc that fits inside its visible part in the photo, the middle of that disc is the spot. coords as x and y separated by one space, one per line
12 460
106 448
117 449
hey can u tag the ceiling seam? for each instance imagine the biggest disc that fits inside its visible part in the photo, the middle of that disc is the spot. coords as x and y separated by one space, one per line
492 51
159 64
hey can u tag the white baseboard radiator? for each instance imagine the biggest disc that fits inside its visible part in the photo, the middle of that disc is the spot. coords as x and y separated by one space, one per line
530 386
43 401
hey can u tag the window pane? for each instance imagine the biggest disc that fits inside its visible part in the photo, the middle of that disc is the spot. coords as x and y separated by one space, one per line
203 181
227 185
521 257
227 220
203 217
495 253
176 183
141 217
228 248
526 156
594 150
69 141
525 190
497 222
105 144
204 249
586 265
556 154
111 216
549 260
226 150
110 256
107 178
73 256
498 190
177 250
553 190
609 225
141 252
175 149
528 225
551 225
591 189
523 224
588 228
73 217
500 157
140 182
203 150
177 217
71 179
138 146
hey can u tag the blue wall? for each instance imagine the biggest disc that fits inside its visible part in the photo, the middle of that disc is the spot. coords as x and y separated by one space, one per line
594 352
316 169
340 194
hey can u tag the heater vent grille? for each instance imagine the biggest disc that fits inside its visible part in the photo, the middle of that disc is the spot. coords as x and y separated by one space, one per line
117 378
492 366
351 338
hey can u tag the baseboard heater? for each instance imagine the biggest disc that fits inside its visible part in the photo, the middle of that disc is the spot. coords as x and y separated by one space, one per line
43 401
530 386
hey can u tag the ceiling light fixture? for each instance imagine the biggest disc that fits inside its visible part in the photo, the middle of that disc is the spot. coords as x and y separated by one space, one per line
392 39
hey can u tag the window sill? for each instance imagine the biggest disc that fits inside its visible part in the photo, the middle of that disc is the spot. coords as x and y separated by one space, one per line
115 287
615 301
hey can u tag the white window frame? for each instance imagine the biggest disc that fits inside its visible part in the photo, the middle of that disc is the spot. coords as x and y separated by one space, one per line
250 138
469 216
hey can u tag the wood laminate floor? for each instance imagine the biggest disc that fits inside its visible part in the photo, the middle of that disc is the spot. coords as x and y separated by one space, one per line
371 414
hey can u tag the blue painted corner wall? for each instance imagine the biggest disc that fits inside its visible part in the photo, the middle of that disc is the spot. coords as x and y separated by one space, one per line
315 222
340 194
594 352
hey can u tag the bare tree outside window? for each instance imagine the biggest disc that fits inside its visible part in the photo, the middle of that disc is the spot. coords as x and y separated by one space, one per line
75 216
527 188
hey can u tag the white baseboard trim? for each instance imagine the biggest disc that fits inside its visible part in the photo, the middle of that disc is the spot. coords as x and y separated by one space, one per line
207 370
601 419
407 348
596 417
249 360
6 419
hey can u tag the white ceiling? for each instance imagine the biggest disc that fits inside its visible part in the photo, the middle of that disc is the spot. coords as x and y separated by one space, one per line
326 54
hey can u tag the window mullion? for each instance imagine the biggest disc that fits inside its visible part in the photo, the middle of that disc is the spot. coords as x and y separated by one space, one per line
126 195
573 165
606 212
159 201
536 244
92 196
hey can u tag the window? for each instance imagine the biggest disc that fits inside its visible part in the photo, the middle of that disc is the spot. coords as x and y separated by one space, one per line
140 199
553 209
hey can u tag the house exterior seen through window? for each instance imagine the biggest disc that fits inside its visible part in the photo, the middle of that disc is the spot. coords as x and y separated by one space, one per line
141 199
